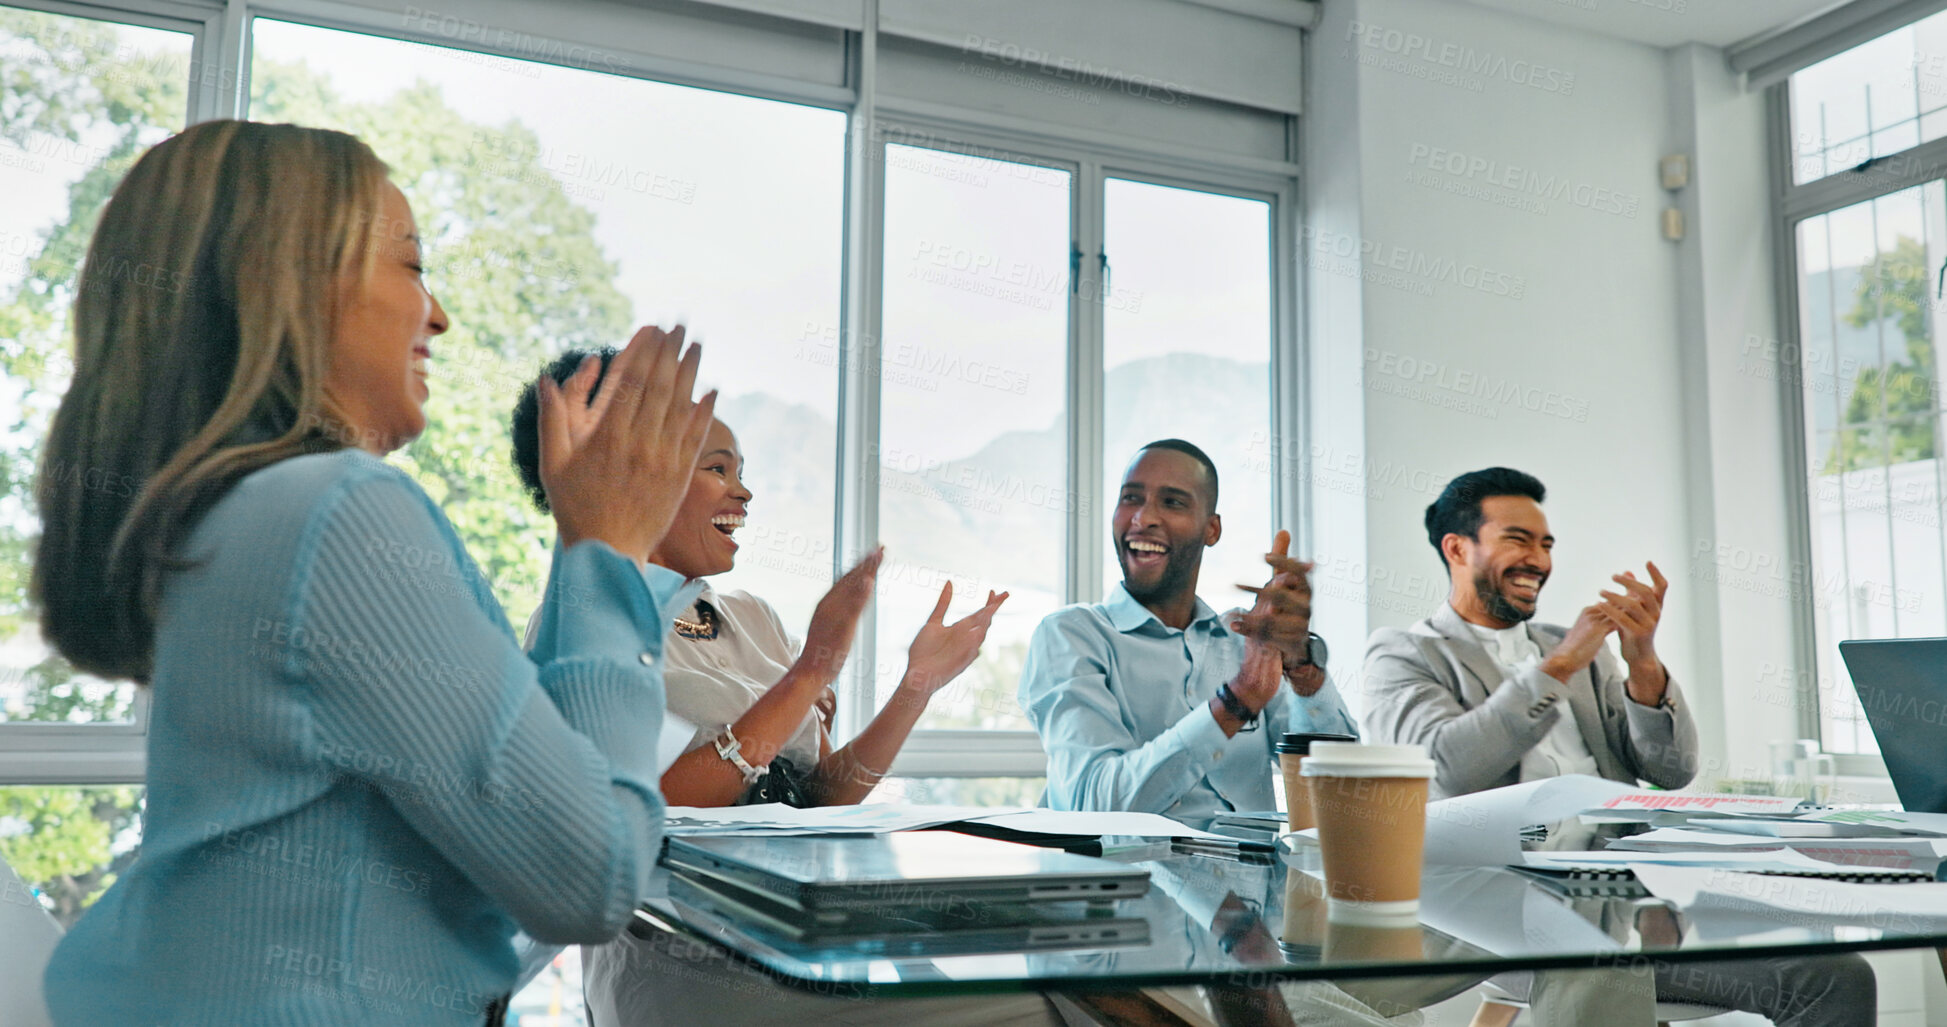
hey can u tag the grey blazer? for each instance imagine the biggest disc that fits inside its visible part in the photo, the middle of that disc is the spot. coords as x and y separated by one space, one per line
1434 684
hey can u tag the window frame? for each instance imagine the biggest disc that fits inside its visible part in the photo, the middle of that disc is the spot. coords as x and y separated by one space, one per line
1792 204
38 753
953 753
221 33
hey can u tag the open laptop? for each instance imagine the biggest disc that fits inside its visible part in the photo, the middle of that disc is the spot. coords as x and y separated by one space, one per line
1902 686
830 876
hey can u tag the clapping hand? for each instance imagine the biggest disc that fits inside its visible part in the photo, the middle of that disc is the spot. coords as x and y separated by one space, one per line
834 624
1256 683
1633 615
616 468
1578 647
1636 612
1306 680
941 651
1281 617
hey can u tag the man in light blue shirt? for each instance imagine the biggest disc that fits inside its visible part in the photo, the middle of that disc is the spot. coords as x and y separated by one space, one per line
1151 701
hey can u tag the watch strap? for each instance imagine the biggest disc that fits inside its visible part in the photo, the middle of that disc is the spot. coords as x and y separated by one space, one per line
1235 706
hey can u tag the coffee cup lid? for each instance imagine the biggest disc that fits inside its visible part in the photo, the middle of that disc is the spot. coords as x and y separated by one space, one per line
1301 744
1352 759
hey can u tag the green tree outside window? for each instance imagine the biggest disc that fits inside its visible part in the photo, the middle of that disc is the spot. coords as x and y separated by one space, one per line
1890 416
510 255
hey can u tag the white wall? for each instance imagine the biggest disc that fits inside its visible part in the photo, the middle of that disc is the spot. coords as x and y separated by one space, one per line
1517 304
1742 486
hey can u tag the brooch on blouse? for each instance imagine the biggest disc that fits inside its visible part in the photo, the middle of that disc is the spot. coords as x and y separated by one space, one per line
703 628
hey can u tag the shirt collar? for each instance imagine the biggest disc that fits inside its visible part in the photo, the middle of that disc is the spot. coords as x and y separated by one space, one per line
1508 646
1127 615
1512 633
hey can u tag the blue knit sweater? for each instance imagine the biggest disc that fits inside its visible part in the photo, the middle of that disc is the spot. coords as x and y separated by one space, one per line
359 786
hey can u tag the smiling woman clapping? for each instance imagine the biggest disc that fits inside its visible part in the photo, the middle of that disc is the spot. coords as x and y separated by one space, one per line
762 702
359 786
761 698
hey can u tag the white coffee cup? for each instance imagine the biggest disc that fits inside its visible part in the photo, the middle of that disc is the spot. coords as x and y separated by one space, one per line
1369 802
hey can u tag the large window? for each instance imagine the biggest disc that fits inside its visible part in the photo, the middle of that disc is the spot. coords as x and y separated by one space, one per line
973 481
1871 395
82 99
79 100
547 228
1186 344
1867 251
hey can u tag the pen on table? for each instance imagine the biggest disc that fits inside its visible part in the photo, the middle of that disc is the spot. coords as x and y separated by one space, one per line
1227 845
1146 847
1227 855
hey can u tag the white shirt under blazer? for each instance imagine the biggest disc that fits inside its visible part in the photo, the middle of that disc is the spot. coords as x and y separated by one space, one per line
1434 684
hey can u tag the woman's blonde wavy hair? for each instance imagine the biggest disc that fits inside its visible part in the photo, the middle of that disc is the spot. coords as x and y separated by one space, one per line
202 324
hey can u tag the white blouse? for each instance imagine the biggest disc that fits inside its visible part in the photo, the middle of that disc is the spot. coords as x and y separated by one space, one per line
713 682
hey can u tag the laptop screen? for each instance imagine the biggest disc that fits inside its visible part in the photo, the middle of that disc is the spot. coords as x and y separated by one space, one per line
1902 686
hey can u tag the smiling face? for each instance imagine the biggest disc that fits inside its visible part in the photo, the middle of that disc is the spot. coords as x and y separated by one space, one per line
1510 560
382 335
1162 523
699 542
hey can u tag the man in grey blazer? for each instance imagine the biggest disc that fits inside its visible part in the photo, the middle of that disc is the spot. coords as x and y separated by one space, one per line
1497 700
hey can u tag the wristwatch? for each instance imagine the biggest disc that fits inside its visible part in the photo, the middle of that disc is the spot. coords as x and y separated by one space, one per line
1315 651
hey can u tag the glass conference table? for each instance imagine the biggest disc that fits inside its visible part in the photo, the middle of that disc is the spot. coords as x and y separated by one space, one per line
1239 927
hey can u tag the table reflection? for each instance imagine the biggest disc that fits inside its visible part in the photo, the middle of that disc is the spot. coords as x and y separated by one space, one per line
1212 920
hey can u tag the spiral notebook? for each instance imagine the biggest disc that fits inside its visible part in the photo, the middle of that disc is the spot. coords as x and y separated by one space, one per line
1571 871
1606 883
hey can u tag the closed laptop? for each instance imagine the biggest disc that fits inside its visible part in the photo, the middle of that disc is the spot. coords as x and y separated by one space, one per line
918 870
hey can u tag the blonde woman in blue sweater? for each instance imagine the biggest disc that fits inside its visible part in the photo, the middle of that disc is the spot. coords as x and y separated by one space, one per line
359 786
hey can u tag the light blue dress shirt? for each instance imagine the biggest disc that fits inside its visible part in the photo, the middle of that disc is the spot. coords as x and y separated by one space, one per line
1121 702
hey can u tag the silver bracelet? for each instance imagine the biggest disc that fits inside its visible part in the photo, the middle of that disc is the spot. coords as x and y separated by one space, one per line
729 748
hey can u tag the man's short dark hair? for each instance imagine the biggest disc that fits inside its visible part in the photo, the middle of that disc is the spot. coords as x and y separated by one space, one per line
1458 510
526 428
1189 449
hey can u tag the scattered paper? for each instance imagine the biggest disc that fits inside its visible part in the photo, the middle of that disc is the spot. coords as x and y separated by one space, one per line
1714 802
774 819
1793 828
777 820
1484 828
1770 860
1048 821
1891 820
1807 901
1664 839
1506 914
1905 853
